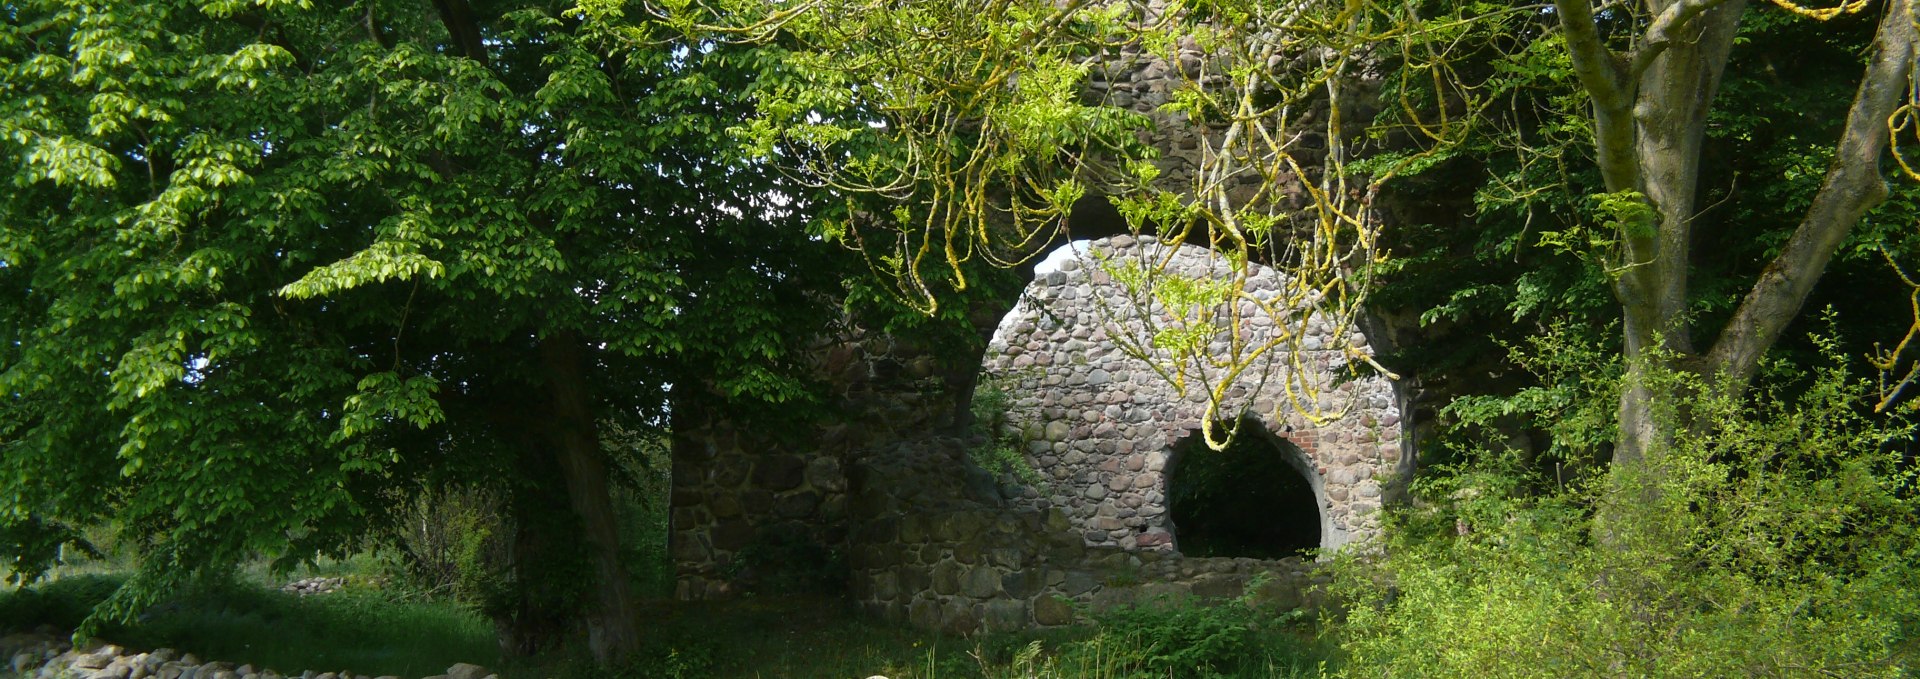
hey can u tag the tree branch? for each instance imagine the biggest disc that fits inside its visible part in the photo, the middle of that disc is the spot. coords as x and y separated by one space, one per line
461 25
1853 185
1598 68
378 36
1666 28
1603 75
1052 21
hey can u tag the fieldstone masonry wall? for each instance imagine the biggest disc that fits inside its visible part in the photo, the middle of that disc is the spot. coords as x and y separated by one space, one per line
1100 424
1129 76
938 543
926 536
739 484
929 538
733 491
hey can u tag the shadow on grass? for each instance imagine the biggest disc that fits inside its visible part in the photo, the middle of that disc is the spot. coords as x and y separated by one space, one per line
363 630
372 632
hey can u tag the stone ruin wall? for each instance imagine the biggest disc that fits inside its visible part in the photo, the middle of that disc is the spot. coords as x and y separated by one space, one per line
940 544
740 484
927 537
1099 424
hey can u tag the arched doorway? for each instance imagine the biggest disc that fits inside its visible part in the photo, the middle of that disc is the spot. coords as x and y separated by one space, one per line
1254 499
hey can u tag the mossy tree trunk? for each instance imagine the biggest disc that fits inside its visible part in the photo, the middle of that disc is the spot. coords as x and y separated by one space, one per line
1650 108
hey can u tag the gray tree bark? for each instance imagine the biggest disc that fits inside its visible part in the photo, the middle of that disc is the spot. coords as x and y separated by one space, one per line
1649 112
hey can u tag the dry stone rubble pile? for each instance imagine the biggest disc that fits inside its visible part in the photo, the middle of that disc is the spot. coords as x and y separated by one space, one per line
308 586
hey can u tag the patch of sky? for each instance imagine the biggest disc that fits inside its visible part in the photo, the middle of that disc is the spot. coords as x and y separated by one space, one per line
1053 260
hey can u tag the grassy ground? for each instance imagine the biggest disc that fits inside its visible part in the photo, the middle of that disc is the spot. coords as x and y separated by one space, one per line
359 629
372 631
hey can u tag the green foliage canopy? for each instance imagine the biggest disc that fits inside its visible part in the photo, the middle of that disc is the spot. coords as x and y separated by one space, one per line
266 263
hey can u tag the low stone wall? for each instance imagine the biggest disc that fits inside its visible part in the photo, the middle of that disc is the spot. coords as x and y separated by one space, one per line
938 543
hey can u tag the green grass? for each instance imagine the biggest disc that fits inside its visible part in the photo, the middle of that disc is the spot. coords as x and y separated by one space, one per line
822 637
800 637
359 629
370 630
362 630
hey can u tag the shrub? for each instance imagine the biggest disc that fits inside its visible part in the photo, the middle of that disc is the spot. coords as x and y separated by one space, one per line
453 542
60 603
1775 537
1002 447
1183 641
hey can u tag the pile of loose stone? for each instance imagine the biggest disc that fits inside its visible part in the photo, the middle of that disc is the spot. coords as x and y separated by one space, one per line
41 655
314 586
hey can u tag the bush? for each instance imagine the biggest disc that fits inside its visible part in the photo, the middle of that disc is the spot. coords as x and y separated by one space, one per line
1775 537
59 603
453 542
1186 641
1002 448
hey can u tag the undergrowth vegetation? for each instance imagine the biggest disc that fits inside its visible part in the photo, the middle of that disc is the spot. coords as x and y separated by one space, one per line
367 630
1162 639
1002 447
1776 536
359 628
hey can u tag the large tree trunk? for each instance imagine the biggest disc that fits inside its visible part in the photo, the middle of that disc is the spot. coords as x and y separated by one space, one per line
611 632
529 623
1671 93
1649 112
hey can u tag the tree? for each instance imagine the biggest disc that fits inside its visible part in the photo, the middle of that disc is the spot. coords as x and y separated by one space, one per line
1508 237
1650 106
268 265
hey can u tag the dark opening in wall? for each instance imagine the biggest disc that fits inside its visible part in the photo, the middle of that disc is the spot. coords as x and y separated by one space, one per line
1250 500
